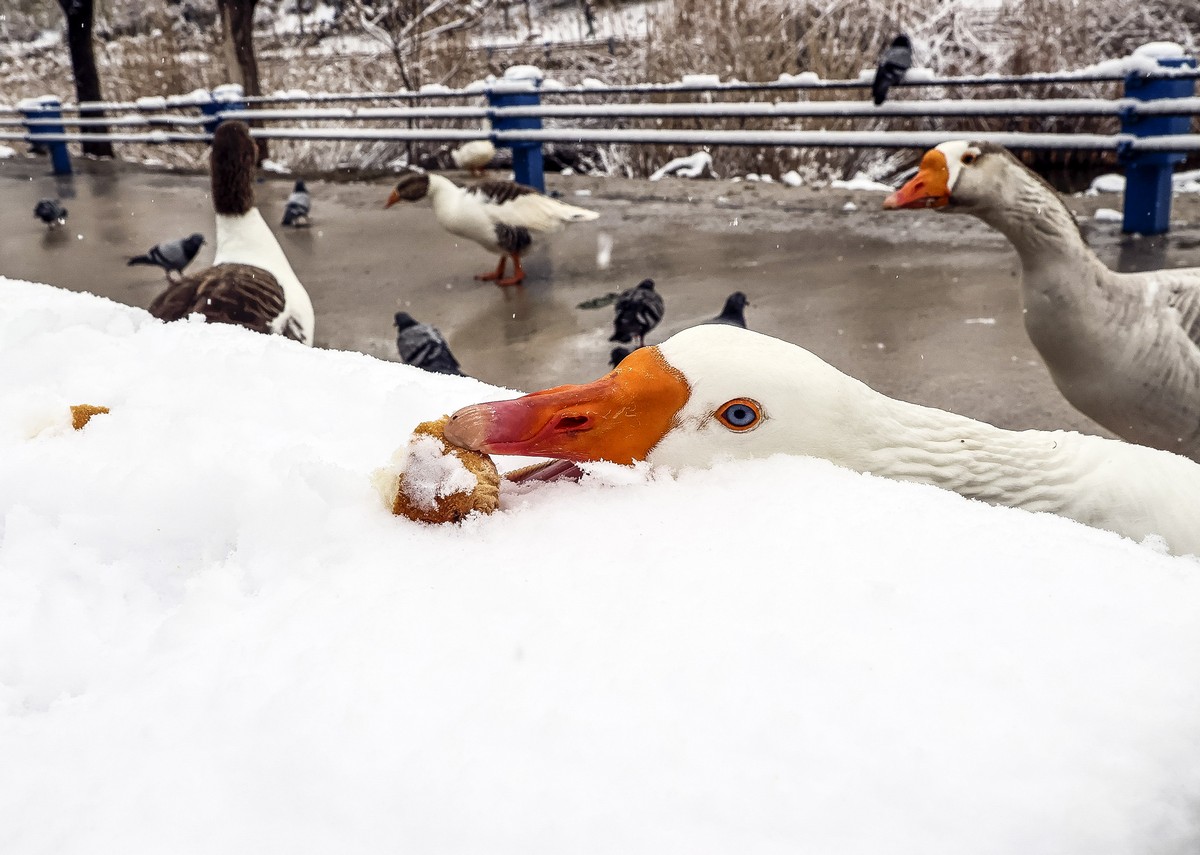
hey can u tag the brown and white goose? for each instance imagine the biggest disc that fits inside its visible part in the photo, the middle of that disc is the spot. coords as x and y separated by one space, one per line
1123 348
500 216
715 392
250 283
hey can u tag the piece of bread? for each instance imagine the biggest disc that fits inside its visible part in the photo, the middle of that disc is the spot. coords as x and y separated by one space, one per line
432 481
81 413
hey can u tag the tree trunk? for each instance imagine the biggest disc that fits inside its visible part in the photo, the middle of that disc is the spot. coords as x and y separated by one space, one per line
83 65
237 20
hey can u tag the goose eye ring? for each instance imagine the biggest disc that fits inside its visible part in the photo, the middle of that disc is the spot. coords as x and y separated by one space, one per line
969 157
740 414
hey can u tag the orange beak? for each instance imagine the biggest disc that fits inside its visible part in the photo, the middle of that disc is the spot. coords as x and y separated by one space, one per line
929 188
392 200
618 418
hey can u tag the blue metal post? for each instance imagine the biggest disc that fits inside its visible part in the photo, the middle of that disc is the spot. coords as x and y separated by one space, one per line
1148 174
48 107
527 156
224 98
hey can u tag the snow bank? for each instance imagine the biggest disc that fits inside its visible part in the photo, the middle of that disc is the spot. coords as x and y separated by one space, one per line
217 640
861 181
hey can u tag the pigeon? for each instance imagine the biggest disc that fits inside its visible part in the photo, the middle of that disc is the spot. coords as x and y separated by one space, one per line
173 255
895 62
619 353
297 206
423 346
638 311
734 312
50 212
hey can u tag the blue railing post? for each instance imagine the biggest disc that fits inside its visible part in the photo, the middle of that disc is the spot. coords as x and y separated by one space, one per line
47 107
1148 174
520 90
222 99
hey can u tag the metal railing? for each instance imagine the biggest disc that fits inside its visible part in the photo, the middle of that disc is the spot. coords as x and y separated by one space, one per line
1155 117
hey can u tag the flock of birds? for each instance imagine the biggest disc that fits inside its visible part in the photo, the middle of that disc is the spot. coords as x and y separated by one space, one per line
1123 348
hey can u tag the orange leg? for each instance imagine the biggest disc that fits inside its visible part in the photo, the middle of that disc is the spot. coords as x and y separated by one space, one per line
518 272
496 274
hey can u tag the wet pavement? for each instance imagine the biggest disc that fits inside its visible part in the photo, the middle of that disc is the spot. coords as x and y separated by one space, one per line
920 305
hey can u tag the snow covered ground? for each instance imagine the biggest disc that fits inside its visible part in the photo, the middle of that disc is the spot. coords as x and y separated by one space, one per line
213 637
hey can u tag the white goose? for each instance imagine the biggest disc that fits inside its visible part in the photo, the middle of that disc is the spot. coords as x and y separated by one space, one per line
250 283
1123 348
714 392
500 216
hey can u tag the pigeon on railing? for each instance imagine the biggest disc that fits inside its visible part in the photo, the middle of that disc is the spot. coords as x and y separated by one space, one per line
297 206
50 212
423 346
896 60
638 311
173 255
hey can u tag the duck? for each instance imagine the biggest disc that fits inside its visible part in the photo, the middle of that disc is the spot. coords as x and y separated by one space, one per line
474 156
500 216
716 392
1123 348
250 283
637 311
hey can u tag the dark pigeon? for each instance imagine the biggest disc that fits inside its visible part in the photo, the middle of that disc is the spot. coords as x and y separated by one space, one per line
50 212
618 354
173 255
423 346
896 60
734 312
297 206
638 311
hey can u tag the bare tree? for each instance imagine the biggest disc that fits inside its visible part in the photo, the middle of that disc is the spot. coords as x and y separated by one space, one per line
237 28
406 26
83 66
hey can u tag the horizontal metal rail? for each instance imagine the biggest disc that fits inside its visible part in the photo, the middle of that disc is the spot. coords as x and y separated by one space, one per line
797 139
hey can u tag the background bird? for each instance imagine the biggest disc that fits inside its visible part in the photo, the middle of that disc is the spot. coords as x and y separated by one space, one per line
474 156
173 255
50 212
618 353
896 60
423 346
297 206
734 312
638 311
501 216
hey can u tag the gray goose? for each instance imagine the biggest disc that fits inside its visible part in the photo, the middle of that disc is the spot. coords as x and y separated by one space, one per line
250 282
1123 348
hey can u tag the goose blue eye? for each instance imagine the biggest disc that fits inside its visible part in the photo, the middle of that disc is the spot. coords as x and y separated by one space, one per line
741 414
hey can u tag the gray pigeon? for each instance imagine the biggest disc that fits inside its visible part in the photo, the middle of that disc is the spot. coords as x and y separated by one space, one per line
896 60
297 206
734 312
50 212
172 255
423 346
638 311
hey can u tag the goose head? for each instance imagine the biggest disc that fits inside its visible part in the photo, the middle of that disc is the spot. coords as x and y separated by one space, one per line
412 187
956 175
234 160
708 393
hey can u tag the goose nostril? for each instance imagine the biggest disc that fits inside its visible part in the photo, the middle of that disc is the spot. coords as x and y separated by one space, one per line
569 423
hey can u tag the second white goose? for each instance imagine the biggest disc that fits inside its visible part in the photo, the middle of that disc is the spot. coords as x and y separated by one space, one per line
1123 348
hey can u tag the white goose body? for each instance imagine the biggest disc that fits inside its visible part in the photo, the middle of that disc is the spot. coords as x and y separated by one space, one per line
247 239
716 392
1123 348
474 212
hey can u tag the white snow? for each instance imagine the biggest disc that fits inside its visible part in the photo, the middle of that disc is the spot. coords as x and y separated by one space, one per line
523 72
849 206
1110 182
1107 215
7 151
1181 182
227 93
151 102
216 639
805 77
695 165
1160 50
195 97
861 181
792 178
426 471
275 166
700 80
